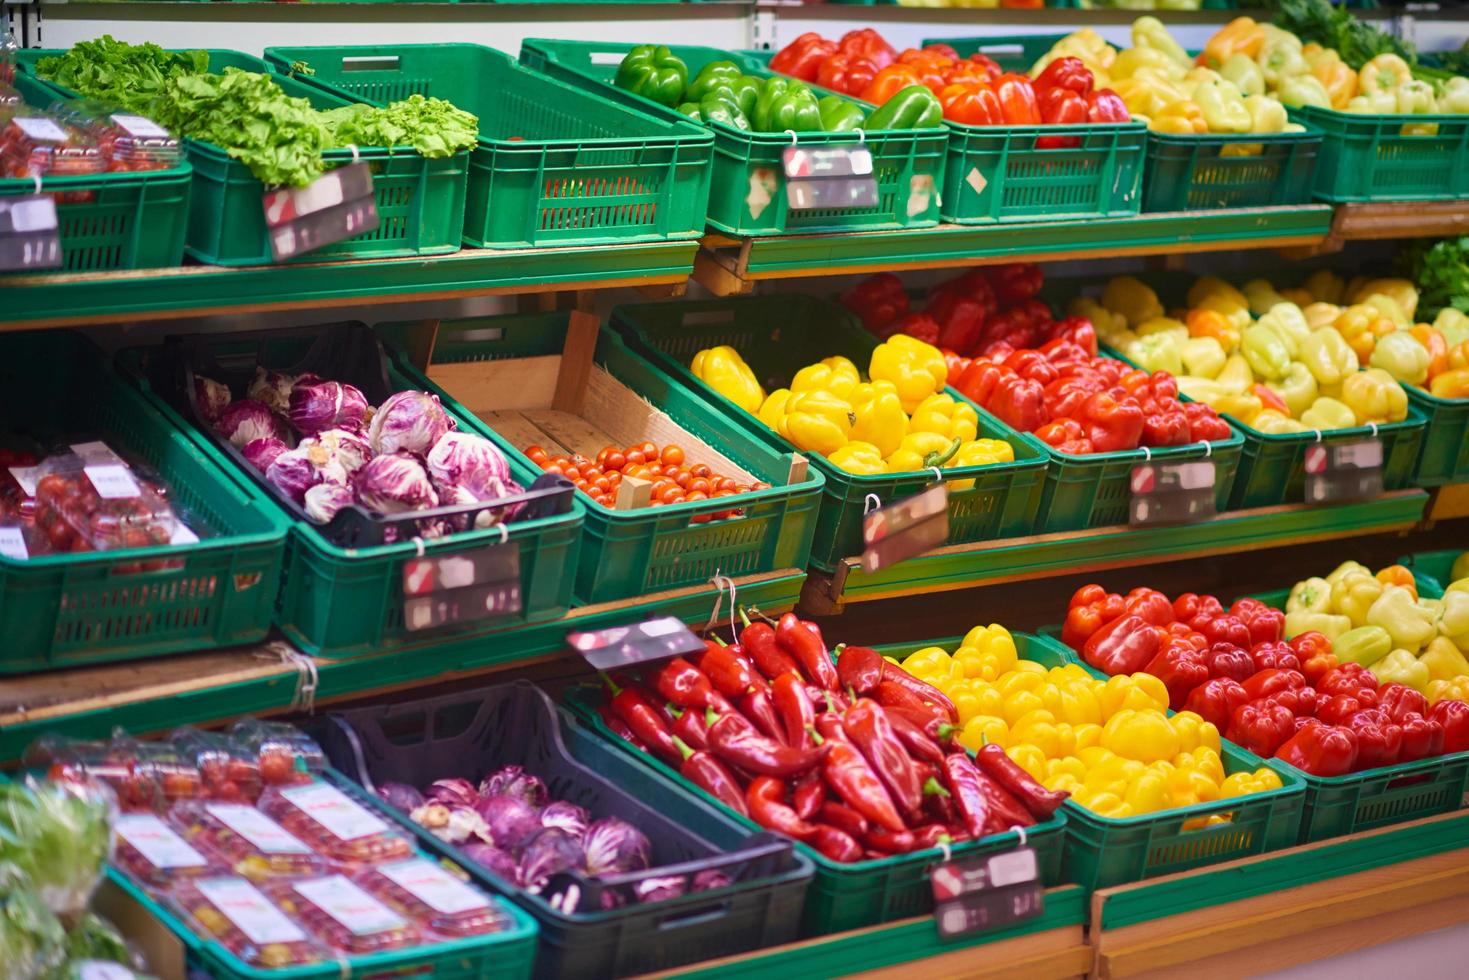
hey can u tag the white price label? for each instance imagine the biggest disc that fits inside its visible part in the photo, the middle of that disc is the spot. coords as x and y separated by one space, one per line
157 841
335 811
264 833
13 544
36 214
139 126
38 128
26 476
113 481
254 915
95 451
349 905
433 886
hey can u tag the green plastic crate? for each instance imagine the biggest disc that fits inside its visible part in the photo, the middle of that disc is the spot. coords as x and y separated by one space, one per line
126 221
777 335
1195 173
340 601
1106 851
633 552
1444 457
1434 570
748 195
1369 158
72 609
554 165
863 893
420 202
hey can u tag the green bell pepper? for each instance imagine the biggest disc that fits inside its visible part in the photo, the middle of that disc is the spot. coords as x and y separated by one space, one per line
1364 645
1328 413
1265 350
654 72
914 107
838 115
725 77
719 106
785 103
690 109
1303 90
1327 356
1241 69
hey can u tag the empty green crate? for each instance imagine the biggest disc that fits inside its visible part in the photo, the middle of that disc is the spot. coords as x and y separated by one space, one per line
847 896
635 552
1444 457
66 610
420 201
1434 570
1205 172
748 192
554 165
1368 157
109 221
777 335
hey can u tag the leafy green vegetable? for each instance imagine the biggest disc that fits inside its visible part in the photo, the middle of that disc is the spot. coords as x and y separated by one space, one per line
94 938
31 936
433 127
58 835
1358 42
127 75
1441 270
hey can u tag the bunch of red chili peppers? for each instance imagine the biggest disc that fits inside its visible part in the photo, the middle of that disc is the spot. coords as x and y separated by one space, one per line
854 758
1291 700
972 90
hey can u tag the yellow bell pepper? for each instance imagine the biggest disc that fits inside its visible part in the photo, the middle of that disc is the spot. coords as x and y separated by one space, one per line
1207 288
1029 758
1194 732
1403 356
1453 689
1105 804
921 451
1182 117
878 419
722 369
1148 793
996 648
1109 324
1297 389
1327 355
1453 324
1335 75
859 457
1129 61
1327 413
1149 32
1289 322
1375 396
1320 315
1303 90
1410 623
1242 35
1203 357
1360 326
1143 735
1244 73
1267 115
1401 291
1203 759
1353 594
1384 73
947 416
816 421
978 452
981 730
1372 103
774 407
1188 786
1327 624
1261 294
1443 659
837 375
1132 298
1401 667
915 368
1262 780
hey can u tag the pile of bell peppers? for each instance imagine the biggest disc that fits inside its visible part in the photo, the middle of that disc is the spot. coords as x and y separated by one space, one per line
899 420
853 756
1380 621
1293 700
1277 361
973 90
1107 743
722 93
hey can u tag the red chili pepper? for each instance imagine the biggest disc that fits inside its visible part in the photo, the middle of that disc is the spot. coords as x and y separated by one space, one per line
711 775
924 691
852 779
1123 646
685 685
802 642
843 817
689 725
1453 716
995 763
835 844
797 714
807 795
759 707
880 300
891 695
643 718
730 675
931 835
859 669
868 727
1422 738
735 741
758 641
919 745
892 843
619 727
1320 749
928 720
1216 700
1400 701
765 798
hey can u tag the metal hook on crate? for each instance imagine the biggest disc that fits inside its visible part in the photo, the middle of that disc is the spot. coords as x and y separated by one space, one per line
1021 831
861 136
504 532
1318 434
37 179
1147 454
418 548
1373 425
1208 449
938 474
356 156
948 852
793 136
870 503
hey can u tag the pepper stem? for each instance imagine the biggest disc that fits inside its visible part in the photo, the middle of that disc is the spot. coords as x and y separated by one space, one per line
682 746
939 459
934 788
673 709
815 735
720 640
945 729
710 717
744 616
611 684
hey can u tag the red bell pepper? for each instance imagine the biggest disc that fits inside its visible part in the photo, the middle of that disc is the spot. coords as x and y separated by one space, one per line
1060 107
1275 654
1195 609
1166 427
1379 738
867 43
1260 727
1216 699
1349 678
971 103
1091 608
1204 424
802 58
1302 701
1112 424
1226 629
942 49
1266 682
1227 660
1320 749
1422 737
968 72
1123 646
1019 403
1106 106
1180 634
930 66
888 82
1065 396
1066 436
1032 365
979 379
1017 100
1339 709
1453 716
1399 701
1152 605
920 326
1266 625
847 73
1181 669
1010 327
961 319
1015 282
878 301
1068 73
1077 330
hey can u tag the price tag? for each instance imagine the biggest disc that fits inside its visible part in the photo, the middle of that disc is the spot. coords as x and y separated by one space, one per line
1343 470
344 901
139 126
905 529
263 833
95 452
114 481
241 903
829 177
986 893
1172 493
157 841
624 646
433 886
39 128
461 588
30 236
13 544
336 206
182 535
342 816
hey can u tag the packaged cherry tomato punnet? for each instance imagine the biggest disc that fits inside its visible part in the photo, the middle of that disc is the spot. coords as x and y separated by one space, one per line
434 898
229 771
340 914
70 760
234 913
156 854
89 499
335 824
286 754
34 144
251 842
128 142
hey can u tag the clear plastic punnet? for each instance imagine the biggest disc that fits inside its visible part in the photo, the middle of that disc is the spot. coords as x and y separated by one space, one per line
287 755
229 771
90 499
35 144
237 915
335 824
129 142
339 913
249 841
156 855
429 894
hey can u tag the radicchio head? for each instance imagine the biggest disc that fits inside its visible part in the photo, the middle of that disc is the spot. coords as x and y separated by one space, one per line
320 405
325 500
549 852
292 473
246 420
394 483
511 820
274 388
260 453
457 792
515 781
339 449
614 846
568 816
494 860
411 420
400 796
211 397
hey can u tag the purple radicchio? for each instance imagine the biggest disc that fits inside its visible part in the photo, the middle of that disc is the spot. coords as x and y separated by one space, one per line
325 500
260 453
615 846
339 450
454 792
246 420
568 816
494 860
320 405
211 397
293 473
394 483
659 889
549 852
515 781
274 388
511 820
411 420
463 461
400 796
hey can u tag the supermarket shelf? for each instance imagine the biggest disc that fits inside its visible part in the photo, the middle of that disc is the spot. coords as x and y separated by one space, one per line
1388 220
75 299
155 695
727 266
1288 907
1051 946
1044 555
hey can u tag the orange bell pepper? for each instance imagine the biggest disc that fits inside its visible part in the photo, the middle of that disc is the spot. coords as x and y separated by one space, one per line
1453 383
930 66
969 70
889 82
1457 358
1270 399
1337 77
971 103
1360 326
1240 36
1210 323
1398 575
1438 348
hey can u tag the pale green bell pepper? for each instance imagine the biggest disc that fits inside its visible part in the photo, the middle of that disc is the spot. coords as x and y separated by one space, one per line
1297 389
1403 356
1265 350
1364 645
1309 595
1328 413
1327 356
1410 625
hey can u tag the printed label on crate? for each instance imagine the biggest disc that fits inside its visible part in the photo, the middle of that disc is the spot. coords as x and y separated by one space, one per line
25 478
114 481
39 128
829 177
905 529
349 905
434 886
139 126
464 587
95 451
986 893
13 543
264 833
336 206
334 810
640 643
157 841
30 236
1172 493
250 911
1343 470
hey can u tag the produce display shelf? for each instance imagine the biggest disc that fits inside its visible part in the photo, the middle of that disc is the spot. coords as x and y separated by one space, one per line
1043 555
731 265
1287 907
163 294
1051 945
157 695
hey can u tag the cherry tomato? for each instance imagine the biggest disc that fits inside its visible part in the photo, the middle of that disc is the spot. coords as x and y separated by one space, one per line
693 495
650 449
671 454
671 495
636 457
700 469
616 460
